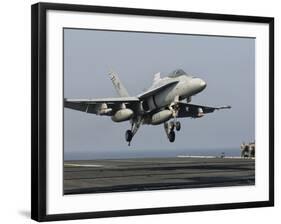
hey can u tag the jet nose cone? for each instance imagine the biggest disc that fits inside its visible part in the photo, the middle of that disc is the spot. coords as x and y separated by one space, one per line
203 84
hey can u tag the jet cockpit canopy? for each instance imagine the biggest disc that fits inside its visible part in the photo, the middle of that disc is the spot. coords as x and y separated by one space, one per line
177 73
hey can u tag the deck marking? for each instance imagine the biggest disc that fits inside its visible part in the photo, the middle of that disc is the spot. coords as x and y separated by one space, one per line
82 165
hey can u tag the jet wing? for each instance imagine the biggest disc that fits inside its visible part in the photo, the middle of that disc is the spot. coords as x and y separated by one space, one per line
192 110
101 106
155 90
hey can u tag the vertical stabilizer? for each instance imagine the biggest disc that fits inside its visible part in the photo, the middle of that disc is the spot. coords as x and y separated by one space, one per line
156 78
121 90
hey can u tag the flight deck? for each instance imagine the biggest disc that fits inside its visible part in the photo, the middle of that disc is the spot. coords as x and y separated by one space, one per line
121 175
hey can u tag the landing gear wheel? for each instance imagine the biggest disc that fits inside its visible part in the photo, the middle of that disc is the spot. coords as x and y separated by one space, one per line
178 126
172 136
128 135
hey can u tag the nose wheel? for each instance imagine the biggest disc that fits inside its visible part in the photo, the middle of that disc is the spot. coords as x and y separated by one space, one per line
174 124
172 136
170 129
178 125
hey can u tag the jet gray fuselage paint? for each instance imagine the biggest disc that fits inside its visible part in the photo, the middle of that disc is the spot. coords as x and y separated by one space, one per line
185 88
167 98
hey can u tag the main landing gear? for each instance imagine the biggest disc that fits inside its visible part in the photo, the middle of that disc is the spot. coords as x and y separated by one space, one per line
129 134
169 129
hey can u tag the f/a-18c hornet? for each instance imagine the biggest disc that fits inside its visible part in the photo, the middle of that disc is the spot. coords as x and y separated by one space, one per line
167 98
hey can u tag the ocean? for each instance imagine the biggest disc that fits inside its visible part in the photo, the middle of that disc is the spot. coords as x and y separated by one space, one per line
135 153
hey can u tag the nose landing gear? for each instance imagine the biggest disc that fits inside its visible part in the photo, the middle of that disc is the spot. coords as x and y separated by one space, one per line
169 129
178 125
172 136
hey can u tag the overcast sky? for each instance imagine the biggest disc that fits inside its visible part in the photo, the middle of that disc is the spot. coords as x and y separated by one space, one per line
227 64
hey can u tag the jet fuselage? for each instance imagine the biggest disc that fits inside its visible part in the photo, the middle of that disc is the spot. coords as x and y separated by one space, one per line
186 87
163 101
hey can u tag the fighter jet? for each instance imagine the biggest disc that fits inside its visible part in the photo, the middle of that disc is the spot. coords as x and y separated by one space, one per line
167 99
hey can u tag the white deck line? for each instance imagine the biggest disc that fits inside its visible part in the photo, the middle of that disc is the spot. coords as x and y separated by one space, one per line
83 165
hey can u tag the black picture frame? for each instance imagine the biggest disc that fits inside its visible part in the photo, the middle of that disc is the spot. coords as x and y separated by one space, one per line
39 122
